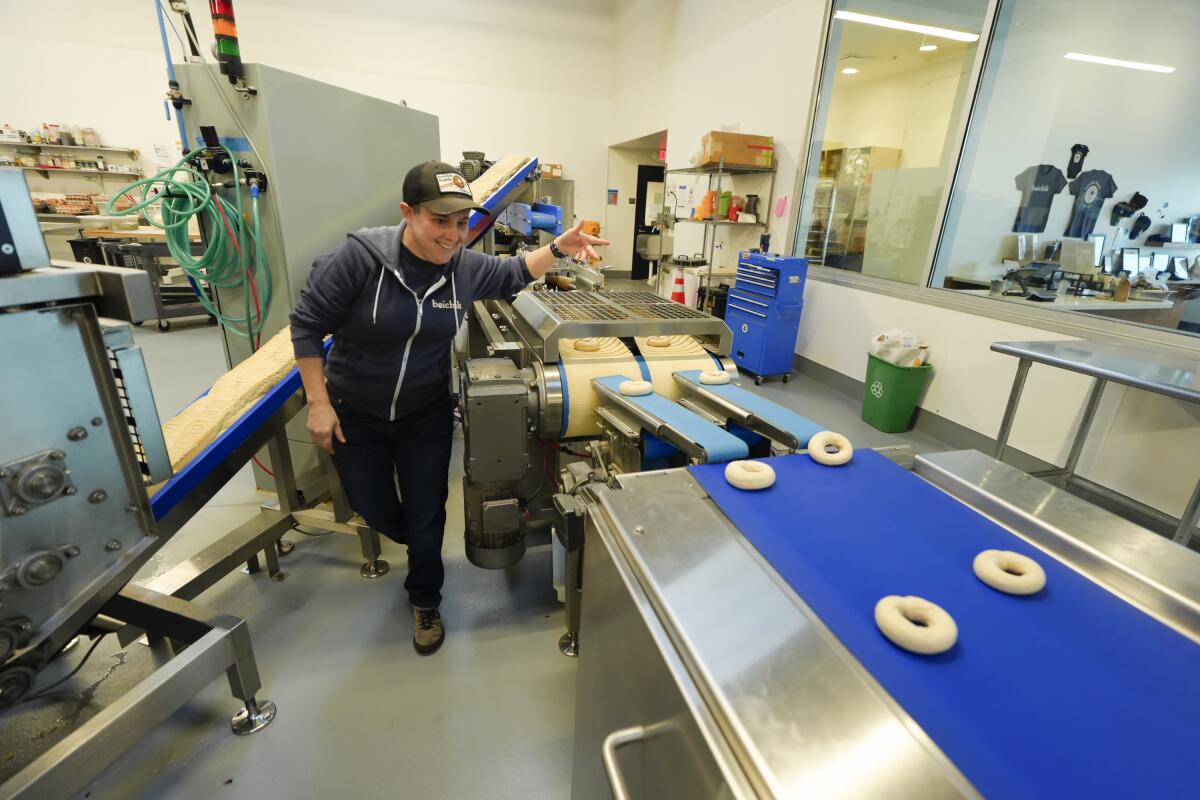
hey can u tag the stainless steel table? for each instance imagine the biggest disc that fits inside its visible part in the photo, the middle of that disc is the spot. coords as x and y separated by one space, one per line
1142 369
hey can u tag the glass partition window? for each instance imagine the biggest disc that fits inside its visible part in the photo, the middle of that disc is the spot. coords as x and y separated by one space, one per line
891 98
1081 163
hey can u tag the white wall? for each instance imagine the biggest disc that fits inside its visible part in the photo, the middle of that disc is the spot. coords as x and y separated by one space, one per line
1142 445
692 67
1041 104
526 77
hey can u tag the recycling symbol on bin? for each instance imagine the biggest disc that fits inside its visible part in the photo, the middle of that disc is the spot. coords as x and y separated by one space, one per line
877 389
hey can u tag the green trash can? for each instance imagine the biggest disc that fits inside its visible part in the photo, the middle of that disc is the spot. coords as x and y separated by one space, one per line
891 393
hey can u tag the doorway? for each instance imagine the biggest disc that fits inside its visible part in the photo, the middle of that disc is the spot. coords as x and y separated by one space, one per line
647 205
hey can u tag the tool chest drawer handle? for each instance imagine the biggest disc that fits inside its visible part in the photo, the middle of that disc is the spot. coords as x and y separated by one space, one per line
742 299
748 311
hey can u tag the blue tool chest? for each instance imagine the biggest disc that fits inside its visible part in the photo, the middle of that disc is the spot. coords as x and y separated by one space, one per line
764 312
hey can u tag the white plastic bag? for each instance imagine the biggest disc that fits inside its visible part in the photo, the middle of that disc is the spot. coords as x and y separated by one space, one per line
902 348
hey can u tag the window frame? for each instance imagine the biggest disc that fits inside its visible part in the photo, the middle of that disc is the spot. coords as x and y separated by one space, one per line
1072 323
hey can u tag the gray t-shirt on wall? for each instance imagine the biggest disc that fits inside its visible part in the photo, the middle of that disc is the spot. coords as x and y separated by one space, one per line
1037 185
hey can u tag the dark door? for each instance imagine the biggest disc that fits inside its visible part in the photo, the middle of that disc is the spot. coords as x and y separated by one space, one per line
646 175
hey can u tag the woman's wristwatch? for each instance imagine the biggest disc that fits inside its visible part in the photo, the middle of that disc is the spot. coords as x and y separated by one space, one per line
555 251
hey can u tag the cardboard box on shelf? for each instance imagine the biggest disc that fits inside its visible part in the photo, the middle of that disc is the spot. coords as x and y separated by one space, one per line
551 170
737 149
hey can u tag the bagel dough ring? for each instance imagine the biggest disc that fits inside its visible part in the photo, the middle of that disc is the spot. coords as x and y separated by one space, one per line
716 377
915 624
749 475
635 388
589 344
818 443
659 341
1006 571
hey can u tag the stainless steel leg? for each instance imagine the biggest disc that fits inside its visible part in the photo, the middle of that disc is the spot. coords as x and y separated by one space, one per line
285 484
568 643
285 473
1010 412
272 556
375 566
1085 424
1189 520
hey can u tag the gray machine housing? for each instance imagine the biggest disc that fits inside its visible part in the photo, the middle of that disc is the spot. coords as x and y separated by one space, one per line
512 400
335 162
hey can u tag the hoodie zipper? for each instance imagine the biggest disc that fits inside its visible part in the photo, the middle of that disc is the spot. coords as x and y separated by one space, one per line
420 301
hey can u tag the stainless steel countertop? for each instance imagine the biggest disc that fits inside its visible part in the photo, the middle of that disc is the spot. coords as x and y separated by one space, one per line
1152 371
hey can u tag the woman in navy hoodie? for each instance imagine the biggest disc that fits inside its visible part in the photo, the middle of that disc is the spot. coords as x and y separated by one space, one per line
393 299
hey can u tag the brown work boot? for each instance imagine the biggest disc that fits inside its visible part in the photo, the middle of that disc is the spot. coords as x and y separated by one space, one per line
428 633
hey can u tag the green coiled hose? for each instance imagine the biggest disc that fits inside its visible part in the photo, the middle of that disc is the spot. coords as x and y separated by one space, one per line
233 257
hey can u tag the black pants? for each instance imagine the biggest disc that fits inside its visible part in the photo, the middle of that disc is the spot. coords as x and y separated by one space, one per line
413 453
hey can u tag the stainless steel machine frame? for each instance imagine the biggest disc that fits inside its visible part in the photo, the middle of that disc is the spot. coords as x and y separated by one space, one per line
78 522
676 701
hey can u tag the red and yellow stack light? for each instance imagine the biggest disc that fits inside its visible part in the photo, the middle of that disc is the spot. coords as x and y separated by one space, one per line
229 54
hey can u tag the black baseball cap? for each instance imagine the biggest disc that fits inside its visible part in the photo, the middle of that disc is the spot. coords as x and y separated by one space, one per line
439 187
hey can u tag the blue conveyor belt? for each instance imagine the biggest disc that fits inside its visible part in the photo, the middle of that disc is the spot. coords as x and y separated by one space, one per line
190 475
1071 692
800 427
720 444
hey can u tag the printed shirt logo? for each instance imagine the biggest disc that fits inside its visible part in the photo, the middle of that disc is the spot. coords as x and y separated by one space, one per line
452 183
1091 193
447 304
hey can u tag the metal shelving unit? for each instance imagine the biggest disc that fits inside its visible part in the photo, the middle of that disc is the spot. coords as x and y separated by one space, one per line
47 171
816 245
74 171
715 176
129 151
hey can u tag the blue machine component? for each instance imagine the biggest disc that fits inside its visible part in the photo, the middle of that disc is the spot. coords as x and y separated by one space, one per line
718 443
525 219
764 312
478 223
785 419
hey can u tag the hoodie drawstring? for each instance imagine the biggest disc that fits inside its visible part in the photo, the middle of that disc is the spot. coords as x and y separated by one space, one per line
454 307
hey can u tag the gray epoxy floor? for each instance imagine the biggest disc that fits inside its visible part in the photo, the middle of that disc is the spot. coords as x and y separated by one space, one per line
360 714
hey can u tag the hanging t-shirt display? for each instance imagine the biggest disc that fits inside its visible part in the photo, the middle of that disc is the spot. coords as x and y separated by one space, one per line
1037 185
1091 189
1078 154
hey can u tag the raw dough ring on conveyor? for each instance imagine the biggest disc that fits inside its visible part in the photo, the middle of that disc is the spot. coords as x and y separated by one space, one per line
659 341
589 344
714 377
1006 571
635 388
916 624
749 475
818 443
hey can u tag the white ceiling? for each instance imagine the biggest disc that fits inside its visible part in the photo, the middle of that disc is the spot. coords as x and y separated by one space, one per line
883 52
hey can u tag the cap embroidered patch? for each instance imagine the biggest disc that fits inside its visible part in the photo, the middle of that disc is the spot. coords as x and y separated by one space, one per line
452 183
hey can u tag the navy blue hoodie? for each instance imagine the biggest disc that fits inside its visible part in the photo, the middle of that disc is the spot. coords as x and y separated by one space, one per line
391 342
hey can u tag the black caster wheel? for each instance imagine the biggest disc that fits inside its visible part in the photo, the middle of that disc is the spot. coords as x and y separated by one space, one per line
785 378
164 325
758 380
